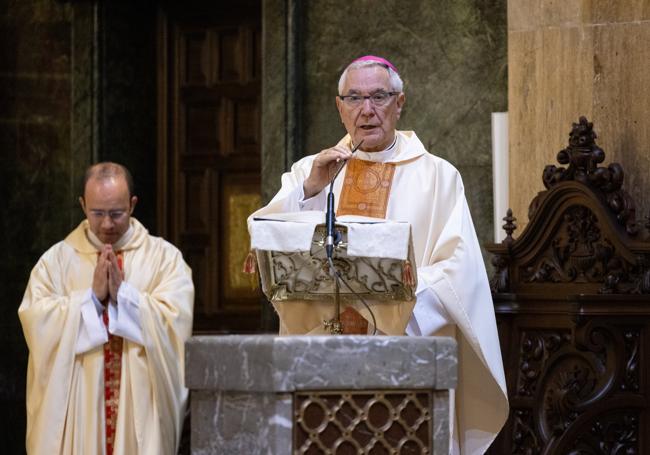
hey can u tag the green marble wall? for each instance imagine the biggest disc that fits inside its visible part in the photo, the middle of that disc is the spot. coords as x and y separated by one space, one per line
36 174
451 55
77 84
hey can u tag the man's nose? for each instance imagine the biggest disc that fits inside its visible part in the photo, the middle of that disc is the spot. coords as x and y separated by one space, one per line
107 221
367 107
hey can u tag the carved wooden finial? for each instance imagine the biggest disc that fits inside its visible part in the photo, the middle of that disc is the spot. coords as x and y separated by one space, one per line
583 156
509 227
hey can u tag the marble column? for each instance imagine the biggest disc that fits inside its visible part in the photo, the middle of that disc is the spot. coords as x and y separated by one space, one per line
573 58
246 390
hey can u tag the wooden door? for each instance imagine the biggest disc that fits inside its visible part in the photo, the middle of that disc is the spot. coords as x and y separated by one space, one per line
209 151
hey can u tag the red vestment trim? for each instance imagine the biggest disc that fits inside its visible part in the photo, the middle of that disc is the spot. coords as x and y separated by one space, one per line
112 376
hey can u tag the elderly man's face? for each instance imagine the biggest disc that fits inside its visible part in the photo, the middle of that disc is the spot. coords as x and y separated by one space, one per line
375 125
108 207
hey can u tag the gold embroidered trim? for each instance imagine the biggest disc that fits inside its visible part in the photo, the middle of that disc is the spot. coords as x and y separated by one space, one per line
366 188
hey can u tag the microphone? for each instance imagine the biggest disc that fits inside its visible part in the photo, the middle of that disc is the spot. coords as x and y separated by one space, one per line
330 218
333 237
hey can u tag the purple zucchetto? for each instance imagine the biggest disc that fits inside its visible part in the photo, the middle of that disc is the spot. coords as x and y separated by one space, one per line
374 58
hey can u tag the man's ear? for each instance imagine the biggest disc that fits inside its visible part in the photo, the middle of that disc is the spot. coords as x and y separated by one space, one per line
339 106
401 99
134 200
82 203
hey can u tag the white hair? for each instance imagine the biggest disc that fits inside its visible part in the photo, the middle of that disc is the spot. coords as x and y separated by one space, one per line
395 81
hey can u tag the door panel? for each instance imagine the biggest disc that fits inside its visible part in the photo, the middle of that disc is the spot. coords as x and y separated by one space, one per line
209 152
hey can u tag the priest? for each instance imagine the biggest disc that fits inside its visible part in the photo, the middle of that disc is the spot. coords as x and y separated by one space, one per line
393 176
105 316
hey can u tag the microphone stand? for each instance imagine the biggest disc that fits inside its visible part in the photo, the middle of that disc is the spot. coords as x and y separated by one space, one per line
332 239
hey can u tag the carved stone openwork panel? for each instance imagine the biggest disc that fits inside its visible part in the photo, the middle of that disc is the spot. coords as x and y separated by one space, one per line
352 422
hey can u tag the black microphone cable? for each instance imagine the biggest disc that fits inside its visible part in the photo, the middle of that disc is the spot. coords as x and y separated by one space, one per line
338 276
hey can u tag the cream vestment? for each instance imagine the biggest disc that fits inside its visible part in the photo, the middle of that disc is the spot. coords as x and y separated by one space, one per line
64 334
453 295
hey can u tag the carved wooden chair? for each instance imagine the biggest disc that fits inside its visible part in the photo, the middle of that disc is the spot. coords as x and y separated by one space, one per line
572 298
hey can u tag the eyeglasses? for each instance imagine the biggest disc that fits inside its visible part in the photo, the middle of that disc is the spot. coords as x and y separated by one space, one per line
115 215
378 99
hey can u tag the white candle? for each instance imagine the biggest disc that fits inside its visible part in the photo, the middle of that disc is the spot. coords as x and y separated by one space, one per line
499 171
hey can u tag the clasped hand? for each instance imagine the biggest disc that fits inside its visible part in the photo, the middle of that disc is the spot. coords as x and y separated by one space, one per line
107 277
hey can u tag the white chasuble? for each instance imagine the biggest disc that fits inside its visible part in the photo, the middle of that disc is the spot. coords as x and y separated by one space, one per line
65 389
453 295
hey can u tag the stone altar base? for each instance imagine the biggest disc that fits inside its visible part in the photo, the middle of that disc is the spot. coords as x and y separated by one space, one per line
267 394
